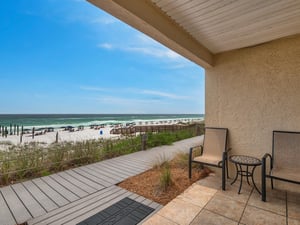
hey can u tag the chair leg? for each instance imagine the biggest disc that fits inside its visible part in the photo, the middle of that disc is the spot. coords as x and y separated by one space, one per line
190 169
263 180
223 177
227 169
272 185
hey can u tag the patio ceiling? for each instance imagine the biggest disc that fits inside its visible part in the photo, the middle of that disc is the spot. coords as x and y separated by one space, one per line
198 29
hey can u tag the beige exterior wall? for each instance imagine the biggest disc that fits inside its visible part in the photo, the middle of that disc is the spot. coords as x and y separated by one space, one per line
253 91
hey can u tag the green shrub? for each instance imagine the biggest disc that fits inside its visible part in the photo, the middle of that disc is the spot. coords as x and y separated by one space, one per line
36 159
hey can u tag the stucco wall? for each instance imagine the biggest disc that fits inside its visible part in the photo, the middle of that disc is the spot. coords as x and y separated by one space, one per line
253 91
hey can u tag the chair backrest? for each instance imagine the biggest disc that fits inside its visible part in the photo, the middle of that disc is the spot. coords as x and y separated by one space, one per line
215 141
286 149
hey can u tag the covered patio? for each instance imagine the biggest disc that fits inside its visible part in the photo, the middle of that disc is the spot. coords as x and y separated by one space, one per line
251 54
205 203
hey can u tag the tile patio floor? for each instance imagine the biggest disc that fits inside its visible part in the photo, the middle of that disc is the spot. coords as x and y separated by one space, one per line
205 203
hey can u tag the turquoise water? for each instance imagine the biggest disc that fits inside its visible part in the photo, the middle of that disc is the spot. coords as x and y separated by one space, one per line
59 120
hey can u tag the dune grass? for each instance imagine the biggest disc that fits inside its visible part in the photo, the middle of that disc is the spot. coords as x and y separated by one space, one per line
31 160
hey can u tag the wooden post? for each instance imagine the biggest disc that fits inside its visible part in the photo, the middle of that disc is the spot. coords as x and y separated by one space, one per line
18 130
22 130
10 129
56 137
33 133
21 137
15 129
6 132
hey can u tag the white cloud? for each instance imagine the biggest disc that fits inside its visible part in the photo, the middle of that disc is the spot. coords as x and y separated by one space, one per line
128 90
158 52
105 20
106 46
142 44
125 101
89 88
163 94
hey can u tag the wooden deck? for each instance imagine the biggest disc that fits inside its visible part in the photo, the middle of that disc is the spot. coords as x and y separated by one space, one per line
74 195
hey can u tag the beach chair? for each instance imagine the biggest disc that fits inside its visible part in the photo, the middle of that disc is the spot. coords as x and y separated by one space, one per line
284 161
213 152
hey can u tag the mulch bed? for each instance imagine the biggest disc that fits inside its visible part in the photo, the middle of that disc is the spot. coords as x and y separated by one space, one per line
147 184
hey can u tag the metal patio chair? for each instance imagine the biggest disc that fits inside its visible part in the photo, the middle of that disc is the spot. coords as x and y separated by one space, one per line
213 152
284 161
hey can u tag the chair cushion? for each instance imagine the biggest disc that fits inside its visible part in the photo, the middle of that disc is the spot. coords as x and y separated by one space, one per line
208 159
286 173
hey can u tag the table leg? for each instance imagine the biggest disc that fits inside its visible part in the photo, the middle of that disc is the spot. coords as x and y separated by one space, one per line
253 180
241 183
248 175
236 175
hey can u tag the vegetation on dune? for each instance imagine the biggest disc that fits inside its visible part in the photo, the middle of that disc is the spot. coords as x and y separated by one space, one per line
34 160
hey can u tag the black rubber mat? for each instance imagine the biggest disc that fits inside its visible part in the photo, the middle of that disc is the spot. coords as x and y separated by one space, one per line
124 212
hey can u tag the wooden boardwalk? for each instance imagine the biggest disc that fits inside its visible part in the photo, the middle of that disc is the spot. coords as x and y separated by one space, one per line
74 195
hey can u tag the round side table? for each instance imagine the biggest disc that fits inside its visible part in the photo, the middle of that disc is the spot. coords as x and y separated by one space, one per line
242 161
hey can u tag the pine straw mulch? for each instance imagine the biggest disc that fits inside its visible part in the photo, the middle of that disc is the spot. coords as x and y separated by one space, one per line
147 184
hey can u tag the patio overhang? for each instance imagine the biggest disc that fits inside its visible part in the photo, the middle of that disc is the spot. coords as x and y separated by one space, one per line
199 29
149 19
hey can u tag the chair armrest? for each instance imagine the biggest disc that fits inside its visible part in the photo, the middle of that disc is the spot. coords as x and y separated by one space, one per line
264 159
192 149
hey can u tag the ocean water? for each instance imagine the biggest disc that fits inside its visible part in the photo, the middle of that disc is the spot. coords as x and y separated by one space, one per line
59 120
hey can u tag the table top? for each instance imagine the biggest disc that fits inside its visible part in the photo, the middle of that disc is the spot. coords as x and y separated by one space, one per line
245 160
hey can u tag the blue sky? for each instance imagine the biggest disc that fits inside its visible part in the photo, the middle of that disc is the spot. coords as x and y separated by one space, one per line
67 56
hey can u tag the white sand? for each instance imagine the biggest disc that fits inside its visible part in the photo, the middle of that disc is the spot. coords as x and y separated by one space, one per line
86 134
50 137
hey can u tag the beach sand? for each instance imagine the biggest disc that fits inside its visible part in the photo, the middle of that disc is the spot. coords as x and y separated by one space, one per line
64 135
50 137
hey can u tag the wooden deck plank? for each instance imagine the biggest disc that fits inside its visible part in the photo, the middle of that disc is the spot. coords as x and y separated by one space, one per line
119 171
43 199
139 161
85 180
65 210
146 201
118 174
51 193
140 198
130 165
116 168
155 205
124 166
136 156
99 175
5 215
69 186
85 208
19 211
134 163
94 210
106 175
30 203
60 189
78 183
92 177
